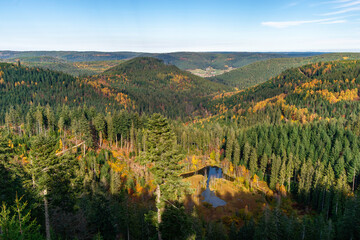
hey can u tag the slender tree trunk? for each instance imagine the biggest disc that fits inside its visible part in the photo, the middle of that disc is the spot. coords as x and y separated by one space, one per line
158 202
353 185
47 221
100 138
19 128
121 141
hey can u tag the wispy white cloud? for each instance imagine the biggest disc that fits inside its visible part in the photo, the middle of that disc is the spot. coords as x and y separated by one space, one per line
316 4
342 8
334 22
346 10
348 4
285 24
293 4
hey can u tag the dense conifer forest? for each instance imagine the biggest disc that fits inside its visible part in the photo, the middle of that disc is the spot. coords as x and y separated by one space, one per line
119 155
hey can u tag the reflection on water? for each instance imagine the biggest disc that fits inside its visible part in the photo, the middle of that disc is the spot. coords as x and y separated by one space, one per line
209 196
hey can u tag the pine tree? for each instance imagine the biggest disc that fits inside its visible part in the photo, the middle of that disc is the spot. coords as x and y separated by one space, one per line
161 150
246 154
110 128
49 172
236 159
289 171
16 223
253 161
339 167
99 123
282 173
50 117
263 164
230 144
275 167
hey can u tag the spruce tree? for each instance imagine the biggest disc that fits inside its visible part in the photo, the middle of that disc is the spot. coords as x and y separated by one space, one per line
263 164
99 123
246 154
50 173
253 161
230 144
236 159
162 152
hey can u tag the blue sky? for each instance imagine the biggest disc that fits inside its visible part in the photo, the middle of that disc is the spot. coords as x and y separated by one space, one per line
184 25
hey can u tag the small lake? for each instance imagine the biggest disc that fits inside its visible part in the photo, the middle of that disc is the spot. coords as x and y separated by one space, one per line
209 196
211 173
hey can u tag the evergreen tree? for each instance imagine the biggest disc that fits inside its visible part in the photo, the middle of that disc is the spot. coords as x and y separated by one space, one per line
246 154
161 150
99 123
16 223
230 144
263 164
50 173
236 159
282 173
253 161
275 167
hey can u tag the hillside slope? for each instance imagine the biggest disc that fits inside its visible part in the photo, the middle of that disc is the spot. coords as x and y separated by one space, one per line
261 71
23 87
70 56
61 65
148 85
218 60
315 91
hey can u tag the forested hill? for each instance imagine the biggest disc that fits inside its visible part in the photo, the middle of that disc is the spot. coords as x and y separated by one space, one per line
73 68
315 91
291 145
75 62
219 60
261 71
24 87
148 85
71 56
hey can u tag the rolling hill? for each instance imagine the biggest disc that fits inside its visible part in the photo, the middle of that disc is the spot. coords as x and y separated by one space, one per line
23 87
194 61
287 148
219 60
261 71
61 65
149 85
70 56
306 93
141 84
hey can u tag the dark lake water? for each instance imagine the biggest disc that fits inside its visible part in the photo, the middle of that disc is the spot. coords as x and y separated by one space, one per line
209 196
211 173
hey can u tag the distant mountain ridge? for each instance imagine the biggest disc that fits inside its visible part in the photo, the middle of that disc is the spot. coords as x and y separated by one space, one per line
183 60
261 71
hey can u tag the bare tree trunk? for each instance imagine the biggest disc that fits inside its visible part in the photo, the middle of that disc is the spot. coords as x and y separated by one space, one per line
47 221
158 202
100 138
353 185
